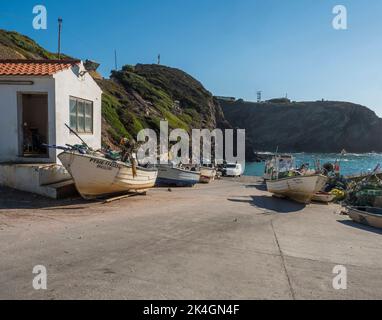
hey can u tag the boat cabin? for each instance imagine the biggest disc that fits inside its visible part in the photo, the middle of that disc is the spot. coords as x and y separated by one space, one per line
278 164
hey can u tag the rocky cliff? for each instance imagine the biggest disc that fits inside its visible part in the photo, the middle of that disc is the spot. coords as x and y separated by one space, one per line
323 126
140 96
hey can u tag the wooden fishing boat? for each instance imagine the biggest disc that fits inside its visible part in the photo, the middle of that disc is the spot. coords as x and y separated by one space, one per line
171 175
207 174
298 188
324 197
95 176
369 216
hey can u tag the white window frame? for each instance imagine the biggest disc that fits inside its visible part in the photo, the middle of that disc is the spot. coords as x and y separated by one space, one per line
85 116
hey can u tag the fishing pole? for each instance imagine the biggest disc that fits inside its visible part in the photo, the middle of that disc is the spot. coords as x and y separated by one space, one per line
54 147
76 134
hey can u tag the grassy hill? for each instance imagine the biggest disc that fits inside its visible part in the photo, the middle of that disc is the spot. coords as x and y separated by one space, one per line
14 45
140 96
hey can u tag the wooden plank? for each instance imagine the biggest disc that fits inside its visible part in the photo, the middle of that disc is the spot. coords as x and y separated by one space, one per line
125 196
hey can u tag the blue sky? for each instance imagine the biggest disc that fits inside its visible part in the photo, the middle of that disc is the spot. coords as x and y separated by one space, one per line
234 47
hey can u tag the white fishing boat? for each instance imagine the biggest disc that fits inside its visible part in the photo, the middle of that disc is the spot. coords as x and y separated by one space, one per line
324 197
207 174
96 176
298 188
172 175
368 216
283 180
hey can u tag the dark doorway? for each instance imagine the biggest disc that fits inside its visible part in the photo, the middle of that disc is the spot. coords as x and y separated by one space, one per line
34 125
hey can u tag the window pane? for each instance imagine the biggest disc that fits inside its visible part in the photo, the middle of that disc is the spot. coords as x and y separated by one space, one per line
88 125
89 117
89 109
73 122
73 114
73 106
81 116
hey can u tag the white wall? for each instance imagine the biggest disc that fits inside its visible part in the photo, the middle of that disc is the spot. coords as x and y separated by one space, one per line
9 121
68 84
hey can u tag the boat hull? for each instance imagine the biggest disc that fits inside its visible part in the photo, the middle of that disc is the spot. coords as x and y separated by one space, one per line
207 175
172 176
361 215
323 197
300 189
98 177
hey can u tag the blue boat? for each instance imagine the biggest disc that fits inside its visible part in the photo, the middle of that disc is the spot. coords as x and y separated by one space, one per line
170 175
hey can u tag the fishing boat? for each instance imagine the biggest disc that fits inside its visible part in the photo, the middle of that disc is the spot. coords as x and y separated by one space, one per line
298 188
207 174
96 176
324 197
369 216
285 181
172 175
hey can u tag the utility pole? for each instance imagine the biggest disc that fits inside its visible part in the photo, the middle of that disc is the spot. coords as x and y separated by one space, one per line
59 37
115 59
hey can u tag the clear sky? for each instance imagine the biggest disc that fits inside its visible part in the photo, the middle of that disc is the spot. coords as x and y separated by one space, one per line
234 47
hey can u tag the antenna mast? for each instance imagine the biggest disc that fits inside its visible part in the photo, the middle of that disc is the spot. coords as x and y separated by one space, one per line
59 37
115 59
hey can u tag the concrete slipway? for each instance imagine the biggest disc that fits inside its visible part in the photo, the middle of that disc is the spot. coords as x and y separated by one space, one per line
227 240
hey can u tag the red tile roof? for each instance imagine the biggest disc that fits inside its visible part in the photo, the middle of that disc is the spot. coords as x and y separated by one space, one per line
34 67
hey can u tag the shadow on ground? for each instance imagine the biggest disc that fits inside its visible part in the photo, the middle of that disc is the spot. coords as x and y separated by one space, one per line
260 187
14 199
272 204
353 224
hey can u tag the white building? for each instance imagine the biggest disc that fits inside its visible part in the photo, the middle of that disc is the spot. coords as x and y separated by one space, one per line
37 99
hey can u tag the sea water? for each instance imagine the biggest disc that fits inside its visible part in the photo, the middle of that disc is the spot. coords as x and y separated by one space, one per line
350 164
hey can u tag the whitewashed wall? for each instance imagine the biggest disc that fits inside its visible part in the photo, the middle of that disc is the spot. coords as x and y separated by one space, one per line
68 84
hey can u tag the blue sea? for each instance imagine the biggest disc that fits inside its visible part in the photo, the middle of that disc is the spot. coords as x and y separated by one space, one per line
350 163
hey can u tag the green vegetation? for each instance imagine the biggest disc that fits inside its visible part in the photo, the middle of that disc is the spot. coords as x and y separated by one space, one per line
144 95
14 45
110 105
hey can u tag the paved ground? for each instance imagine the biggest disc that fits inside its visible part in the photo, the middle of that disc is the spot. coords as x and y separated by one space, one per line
227 240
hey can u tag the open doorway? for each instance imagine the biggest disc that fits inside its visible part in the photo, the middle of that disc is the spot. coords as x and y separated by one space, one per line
34 108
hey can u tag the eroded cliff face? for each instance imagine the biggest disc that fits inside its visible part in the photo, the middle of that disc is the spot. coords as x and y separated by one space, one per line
327 126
